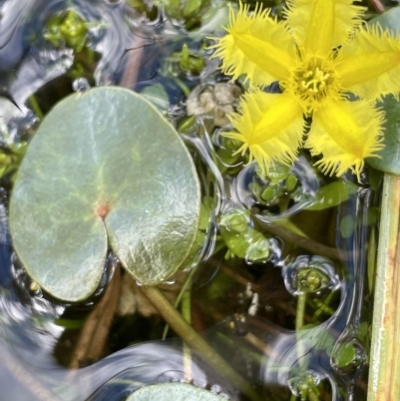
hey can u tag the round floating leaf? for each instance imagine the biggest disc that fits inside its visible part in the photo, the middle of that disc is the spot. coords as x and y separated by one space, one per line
173 392
105 167
388 20
389 160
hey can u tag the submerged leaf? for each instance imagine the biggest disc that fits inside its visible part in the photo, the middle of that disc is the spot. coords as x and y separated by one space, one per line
333 194
105 168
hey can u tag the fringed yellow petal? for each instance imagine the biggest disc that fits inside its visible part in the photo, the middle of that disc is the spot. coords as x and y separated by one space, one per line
345 133
270 126
256 45
320 29
369 66
318 26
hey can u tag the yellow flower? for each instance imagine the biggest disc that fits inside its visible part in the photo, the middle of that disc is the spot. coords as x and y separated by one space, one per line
321 55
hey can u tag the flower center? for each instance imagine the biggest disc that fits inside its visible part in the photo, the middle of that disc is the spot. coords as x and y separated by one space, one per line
312 81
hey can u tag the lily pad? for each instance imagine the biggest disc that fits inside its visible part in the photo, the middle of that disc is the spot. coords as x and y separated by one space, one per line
388 20
173 392
389 160
105 169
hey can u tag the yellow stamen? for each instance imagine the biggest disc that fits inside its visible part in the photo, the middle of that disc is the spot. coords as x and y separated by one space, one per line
311 82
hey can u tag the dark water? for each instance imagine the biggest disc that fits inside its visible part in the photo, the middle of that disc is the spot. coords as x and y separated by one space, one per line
251 325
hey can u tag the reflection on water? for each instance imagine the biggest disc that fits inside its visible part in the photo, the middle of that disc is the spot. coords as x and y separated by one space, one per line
254 324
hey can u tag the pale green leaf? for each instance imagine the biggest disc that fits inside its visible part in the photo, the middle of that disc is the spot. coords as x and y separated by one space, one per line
105 169
333 194
389 156
388 20
389 160
173 392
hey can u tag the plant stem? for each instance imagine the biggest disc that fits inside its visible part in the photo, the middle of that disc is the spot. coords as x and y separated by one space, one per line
302 242
90 55
384 373
35 106
312 397
184 88
372 249
186 310
132 67
185 286
196 342
379 7
94 332
300 312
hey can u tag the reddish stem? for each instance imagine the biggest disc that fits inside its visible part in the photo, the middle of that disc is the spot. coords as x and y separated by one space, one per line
379 7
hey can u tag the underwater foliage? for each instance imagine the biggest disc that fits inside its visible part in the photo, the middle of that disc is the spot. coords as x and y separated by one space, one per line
330 67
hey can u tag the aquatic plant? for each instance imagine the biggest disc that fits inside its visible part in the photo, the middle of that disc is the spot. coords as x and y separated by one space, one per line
67 28
173 391
291 323
330 69
10 159
242 240
103 190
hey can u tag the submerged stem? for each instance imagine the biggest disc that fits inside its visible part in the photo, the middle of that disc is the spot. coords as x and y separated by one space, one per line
35 106
196 342
301 307
300 312
178 300
302 242
312 396
95 331
186 310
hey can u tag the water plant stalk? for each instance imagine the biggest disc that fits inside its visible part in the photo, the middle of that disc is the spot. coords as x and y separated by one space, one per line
186 309
186 285
95 331
299 323
384 371
35 106
301 307
196 342
302 242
